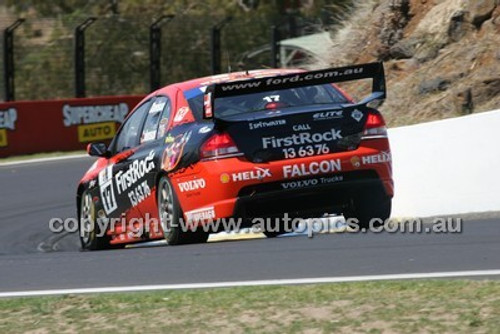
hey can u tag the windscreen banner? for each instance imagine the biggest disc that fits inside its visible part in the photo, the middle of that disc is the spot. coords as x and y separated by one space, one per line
28 127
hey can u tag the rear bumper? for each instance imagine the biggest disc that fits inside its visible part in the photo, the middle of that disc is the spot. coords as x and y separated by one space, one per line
306 186
324 194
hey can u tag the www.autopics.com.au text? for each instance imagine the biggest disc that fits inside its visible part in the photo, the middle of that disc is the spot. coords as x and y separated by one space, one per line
285 224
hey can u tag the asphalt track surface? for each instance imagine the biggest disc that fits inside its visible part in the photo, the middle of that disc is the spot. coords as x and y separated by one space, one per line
33 258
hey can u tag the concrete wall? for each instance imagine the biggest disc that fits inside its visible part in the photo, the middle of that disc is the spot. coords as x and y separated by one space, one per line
447 167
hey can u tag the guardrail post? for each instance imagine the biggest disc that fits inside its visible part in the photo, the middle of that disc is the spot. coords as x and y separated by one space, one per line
155 51
215 45
80 56
275 47
8 59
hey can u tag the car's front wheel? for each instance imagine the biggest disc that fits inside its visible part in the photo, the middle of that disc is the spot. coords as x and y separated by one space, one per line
170 213
91 237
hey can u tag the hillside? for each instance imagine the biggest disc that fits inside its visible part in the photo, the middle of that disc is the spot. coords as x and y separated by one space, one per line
442 56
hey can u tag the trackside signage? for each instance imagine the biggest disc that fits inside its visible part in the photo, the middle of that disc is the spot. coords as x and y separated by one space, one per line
94 122
28 127
8 120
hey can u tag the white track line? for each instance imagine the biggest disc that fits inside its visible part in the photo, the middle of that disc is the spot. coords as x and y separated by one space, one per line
135 288
38 160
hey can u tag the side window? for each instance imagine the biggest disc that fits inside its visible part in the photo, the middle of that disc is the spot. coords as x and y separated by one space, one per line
128 136
157 120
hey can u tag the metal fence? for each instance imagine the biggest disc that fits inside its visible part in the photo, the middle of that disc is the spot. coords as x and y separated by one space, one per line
120 53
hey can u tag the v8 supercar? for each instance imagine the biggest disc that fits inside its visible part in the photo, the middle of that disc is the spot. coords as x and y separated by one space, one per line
258 144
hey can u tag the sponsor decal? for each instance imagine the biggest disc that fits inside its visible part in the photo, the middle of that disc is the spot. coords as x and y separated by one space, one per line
192 185
271 98
8 120
357 115
301 139
95 122
205 129
225 178
148 136
355 161
382 157
312 168
278 81
207 105
321 116
311 182
181 113
139 193
266 124
173 152
376 158
256 174
157 106
200 214
162 128
92 183
106 189
301 127
300 184
169 139
96 132
134 172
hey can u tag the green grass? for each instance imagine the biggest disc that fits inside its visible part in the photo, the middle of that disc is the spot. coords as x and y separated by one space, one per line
394 306
39 156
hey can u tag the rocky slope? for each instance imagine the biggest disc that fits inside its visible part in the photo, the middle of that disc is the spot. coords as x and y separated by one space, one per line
442 57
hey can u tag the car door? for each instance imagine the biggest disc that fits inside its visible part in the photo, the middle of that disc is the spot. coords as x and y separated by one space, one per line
149 153
119 175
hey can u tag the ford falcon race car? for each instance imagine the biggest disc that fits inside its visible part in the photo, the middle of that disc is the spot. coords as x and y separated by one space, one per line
247 145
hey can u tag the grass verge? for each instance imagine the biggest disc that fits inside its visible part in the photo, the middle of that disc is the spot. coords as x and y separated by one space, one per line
454 306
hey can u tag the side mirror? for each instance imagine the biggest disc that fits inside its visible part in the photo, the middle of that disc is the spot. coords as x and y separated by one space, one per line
97 150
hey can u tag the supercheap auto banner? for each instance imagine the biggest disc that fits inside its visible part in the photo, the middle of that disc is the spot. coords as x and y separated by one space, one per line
60 125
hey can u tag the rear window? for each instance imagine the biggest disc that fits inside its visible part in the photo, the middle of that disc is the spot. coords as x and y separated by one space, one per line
284 98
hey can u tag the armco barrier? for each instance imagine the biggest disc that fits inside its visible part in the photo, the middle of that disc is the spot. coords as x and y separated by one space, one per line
447 167
60 125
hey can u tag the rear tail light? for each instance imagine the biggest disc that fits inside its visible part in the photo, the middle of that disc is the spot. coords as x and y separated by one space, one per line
375 127
219 146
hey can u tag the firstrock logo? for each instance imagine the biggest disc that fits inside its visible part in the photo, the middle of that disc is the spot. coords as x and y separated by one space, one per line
134 173
301 139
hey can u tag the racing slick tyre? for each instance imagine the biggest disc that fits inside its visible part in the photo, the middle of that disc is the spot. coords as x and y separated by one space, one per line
91 237
368 206
170 214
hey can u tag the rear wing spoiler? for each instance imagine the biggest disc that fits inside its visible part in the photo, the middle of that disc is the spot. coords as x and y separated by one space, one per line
374 71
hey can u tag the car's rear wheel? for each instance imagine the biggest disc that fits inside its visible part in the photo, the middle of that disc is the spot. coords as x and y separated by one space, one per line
91 237
170 215
372 206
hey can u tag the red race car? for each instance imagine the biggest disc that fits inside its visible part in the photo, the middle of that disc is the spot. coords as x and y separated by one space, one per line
250 145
